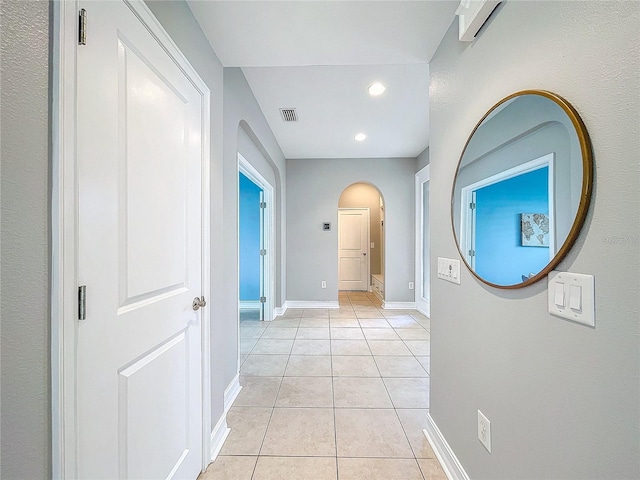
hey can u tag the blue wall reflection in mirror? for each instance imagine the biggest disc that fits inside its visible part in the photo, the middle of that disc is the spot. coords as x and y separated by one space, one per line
249 231
500 256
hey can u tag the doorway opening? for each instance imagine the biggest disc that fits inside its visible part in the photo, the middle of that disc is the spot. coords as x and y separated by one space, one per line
361 240
423 265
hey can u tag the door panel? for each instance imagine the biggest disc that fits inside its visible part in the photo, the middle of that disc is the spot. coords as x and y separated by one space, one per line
140 158
353 249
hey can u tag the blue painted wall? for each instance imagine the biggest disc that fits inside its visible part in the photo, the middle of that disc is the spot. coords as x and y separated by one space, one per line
500 258
249 222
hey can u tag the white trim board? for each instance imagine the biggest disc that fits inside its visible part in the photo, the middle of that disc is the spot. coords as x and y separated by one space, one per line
231 392
399 305
310 304
279 311
218 436
453 469
249 304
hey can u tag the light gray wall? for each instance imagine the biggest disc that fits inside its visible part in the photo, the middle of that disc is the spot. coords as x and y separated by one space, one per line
562 398
313 190
179 22
362 195
246 128
25 153
422 160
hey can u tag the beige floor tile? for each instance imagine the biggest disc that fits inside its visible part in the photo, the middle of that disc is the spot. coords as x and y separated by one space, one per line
342 333
315 313
314 323
408 392
389 313
373 323
350 392
264 365
247 425
403 322
251 332
431 469
284 322
247 344
414 421
243 357
368 313
354 366
272 346
345 322
300 432
308 366
311 347
417 315
380 334
258 392
290 468
313 333
342 313
305 392
350 347
425 323
412 334
280 333
230 468
425 361
419 347
388 347
399 366
378 469
293 312
370 433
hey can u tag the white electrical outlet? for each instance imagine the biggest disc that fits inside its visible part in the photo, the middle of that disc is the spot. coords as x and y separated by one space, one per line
324 284
410 285
484 431
449 270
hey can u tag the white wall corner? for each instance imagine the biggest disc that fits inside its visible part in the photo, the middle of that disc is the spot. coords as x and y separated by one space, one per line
231 393
218 435
311 304
450 464
399 305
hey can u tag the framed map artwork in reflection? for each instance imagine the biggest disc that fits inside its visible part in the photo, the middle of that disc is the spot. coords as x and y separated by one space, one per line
535 229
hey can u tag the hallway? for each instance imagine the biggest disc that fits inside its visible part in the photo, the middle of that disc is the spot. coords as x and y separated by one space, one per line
331 394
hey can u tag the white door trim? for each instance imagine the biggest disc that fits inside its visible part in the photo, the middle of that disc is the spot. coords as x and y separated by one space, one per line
64 231
423 304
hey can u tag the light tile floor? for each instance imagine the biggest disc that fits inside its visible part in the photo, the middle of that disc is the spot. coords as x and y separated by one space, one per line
331 394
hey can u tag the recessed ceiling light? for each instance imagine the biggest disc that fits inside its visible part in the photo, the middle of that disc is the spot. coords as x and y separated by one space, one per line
360 137
376 89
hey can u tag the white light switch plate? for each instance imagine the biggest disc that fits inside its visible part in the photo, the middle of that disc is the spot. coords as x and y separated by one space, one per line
449 270
572 296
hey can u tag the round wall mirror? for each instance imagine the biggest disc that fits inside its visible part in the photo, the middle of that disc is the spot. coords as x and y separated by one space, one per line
522 189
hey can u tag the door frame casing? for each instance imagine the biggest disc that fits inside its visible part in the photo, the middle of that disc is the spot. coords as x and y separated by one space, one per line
65 228
423 305
368 249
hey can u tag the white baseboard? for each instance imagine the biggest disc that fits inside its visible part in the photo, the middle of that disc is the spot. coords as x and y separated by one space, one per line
218 436
249 304
450 464
399 305
279 311
231 392
310 304
426 313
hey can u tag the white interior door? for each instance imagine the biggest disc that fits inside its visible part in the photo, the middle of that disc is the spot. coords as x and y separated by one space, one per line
353 249
140 159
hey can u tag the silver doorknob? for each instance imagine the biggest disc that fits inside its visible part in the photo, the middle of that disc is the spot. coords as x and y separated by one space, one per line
198 302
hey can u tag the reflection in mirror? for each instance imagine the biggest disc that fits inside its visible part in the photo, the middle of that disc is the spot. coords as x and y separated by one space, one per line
522 189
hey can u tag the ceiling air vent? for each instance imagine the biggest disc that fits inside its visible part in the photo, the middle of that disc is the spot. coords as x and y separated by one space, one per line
289 114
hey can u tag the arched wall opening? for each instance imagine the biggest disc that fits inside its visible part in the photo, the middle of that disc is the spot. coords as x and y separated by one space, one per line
361 251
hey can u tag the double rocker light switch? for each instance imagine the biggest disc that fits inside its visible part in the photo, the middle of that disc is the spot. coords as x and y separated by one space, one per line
572 296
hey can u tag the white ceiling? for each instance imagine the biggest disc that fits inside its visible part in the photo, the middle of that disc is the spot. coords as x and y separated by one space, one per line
320 56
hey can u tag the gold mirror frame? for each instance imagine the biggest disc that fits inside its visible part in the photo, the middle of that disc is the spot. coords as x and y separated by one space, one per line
585 196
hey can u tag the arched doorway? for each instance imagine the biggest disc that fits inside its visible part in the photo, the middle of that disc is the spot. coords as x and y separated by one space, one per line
361 240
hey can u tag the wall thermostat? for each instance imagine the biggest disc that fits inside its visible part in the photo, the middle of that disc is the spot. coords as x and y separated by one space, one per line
326 226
